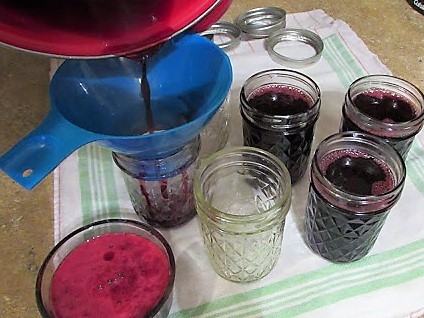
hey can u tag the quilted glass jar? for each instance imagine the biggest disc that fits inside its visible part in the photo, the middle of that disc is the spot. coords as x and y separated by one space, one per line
356 179
161 189
279 108
242 197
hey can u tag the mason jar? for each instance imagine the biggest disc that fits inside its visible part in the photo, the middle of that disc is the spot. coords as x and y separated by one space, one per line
279 108
161 189
384 106
356 179
243 195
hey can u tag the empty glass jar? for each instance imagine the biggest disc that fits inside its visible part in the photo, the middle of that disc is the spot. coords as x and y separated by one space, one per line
242 197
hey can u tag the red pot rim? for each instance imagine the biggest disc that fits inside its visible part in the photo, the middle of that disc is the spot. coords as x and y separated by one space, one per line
102 30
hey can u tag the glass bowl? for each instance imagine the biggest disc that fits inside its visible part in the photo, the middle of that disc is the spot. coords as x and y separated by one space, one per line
107 268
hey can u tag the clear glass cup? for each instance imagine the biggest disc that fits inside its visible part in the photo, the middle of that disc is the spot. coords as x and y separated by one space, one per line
279 109
161 189
384 106
243 195
124 257
356 178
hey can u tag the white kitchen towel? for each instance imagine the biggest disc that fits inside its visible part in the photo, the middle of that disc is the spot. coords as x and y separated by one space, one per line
389 282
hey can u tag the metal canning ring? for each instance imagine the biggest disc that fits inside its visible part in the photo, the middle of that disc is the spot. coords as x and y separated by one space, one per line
295 35
260 22
228 30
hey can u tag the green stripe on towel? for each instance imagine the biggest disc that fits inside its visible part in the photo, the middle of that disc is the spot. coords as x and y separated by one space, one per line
99 198
313 290
415 165
341 61
84 184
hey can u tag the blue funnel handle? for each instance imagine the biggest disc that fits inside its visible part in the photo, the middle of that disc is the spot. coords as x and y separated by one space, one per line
41 151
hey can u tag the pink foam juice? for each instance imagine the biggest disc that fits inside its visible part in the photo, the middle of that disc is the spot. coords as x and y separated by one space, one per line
116 275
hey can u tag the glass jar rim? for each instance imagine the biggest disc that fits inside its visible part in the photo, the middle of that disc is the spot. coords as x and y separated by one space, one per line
137 224
279 121
342 195
235 218
375 81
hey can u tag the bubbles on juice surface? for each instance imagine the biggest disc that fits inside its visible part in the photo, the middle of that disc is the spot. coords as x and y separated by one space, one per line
281 100
357 173
385 105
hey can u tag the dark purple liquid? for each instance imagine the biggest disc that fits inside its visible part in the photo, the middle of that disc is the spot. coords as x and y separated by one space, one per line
357 173
279 100
96 18
145 87
171 207
384 106
145 93
387 108
291 147
402 145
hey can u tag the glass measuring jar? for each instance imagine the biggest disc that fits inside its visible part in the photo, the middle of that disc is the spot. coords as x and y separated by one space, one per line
384 106
356 179
161 189
243 195
279 108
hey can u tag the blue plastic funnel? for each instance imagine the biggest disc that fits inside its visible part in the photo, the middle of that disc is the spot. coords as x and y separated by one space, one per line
100 100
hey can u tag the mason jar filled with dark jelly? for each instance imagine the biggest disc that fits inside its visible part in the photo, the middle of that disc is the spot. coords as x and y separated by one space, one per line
384 106
356 179
279 108
161 189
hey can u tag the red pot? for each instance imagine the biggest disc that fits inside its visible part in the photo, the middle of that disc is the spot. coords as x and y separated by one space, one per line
212 17
100 28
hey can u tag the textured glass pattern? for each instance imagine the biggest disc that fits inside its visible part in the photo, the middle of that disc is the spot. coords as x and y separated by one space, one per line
164 203
243 195
293 149
243 257
215 134
338 235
